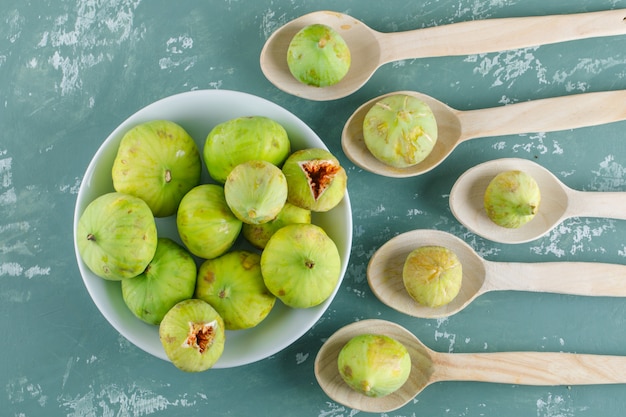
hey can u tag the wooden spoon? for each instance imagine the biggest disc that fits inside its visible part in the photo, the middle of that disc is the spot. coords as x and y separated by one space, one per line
558 202
428 366
384 275
454 126
371 49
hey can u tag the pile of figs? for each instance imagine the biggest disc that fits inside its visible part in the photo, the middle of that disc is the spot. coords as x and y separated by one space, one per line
262 193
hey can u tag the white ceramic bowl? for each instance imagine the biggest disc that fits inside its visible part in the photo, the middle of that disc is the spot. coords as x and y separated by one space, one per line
198 112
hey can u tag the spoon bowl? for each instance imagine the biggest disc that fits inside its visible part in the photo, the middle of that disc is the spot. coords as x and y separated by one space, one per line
371 49
428 366
558 202
334 386
466 201
384 272
449 135
384 275
361 40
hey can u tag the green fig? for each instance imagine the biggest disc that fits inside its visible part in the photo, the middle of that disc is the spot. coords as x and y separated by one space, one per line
317 55
256 191
205 223
259 234
374 365
116 236
400 130
168 279
315 179
192 334
242 139
233 285
158 162
301 265
432 275
512 199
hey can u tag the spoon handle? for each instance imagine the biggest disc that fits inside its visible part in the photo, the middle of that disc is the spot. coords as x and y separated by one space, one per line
530 368
597 204
492 35
545 115
574 278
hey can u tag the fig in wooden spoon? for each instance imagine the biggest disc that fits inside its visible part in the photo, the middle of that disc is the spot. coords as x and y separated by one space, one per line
558 202
384 275
455 127
428 367
371 49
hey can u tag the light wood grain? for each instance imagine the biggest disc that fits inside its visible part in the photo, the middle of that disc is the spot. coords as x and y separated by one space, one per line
530 368
370 49
428 366
455 126
558 202
384 275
